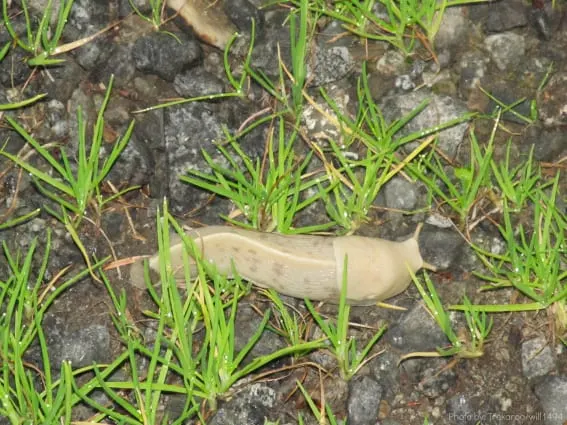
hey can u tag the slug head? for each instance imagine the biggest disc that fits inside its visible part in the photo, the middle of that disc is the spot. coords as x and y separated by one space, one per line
377 268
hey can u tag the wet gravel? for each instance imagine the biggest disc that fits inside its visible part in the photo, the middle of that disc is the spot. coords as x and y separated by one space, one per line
505 47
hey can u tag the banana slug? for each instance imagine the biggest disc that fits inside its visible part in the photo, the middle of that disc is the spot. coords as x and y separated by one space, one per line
302 265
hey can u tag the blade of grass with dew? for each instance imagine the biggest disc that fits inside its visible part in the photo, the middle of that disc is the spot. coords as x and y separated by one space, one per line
19 220
4 51
21 104
298 48
323 415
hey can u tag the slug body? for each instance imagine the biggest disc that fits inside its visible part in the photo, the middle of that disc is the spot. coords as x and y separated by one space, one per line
302 266
207 19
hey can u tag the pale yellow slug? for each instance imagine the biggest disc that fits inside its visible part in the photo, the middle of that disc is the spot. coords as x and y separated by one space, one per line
207 19
302 266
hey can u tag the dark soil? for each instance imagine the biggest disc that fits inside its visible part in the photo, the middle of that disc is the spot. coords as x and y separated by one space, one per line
506 47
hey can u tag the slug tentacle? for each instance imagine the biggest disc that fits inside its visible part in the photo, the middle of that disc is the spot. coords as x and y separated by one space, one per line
302 266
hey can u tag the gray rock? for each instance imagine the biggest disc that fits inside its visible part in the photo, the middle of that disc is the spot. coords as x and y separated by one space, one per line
242 12
114 222
418 67
39 7
81 348
71 73
391 63
265 54
506 50
247 323
417 331
537 358
82 102
404 82
56 119
379 9
149 133
506 15
472 69
86 18
439 110
163 55
197 82
323 358
334 34
365 395
401 194
331 64
452 33
435 380
386 371
90 55
548 143
134 165
491 400
119 64
189 129
252 406
552 100
489 241
213 64
13 68
552 393
542 23
463 409
440 247
125 7
86 15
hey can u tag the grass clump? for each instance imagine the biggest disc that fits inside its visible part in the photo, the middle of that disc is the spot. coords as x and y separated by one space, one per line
517 185
28 395
467 344
75 190
463 192
40 42
157 11
403 24
268 192
534 257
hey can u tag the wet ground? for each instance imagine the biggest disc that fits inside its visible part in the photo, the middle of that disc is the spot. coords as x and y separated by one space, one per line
505 48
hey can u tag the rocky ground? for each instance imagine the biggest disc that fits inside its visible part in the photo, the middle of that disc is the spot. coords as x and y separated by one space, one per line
506 47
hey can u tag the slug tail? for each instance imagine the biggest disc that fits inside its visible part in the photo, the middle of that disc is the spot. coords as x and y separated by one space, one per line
429 267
